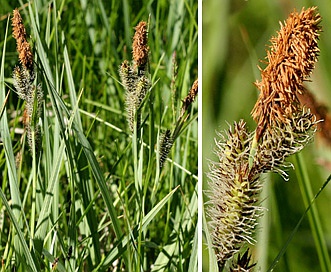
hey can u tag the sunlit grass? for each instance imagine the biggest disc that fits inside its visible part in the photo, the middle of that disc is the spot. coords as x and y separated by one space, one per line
235 36
95 199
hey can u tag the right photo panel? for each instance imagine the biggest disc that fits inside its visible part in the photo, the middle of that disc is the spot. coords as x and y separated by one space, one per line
266 132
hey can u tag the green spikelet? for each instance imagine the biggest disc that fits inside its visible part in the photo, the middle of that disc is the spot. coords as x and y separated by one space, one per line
234 207
136 90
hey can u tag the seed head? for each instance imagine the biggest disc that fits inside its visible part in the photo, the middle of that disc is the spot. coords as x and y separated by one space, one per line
233 206
166 142
134 99
188 100
291 59
23 47
284 140
24 76
140 48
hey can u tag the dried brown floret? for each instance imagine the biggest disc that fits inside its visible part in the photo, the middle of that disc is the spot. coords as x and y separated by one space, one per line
188 100
291 59
140 48
23 47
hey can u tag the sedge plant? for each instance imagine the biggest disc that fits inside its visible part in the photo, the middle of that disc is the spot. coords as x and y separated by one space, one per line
284 128
81 190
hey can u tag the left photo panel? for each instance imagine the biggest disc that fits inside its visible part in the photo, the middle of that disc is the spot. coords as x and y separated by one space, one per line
99 135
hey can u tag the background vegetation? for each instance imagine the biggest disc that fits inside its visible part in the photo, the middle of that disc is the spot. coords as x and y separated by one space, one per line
235 36
95 199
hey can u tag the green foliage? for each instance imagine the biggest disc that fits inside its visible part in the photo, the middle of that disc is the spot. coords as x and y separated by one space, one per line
95 198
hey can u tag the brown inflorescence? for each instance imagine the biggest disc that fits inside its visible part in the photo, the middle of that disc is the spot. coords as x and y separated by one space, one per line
134 77
291 59
168 138
284 128
188 100
23 47
26 88
140 48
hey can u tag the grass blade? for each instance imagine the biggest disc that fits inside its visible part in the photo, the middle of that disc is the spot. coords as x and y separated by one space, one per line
283 250
145 222
28 258
313 216
213 267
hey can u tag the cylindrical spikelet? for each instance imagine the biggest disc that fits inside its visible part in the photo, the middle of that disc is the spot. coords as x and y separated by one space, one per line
131 108
33 109
284 140
291 59
166 142
128 76
233 207
140 48
188 100
143 84
23 47
133 100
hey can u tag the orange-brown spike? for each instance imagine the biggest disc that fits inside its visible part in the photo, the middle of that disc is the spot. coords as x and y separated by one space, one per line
23 47
291 59
140 48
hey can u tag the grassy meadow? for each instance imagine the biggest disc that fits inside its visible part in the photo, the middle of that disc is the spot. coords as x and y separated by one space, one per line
92 197
235 38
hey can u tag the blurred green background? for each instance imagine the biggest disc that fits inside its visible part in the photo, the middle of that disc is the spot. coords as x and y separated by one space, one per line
236 34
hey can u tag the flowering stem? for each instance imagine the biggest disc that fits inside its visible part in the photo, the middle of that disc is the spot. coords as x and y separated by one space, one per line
34 188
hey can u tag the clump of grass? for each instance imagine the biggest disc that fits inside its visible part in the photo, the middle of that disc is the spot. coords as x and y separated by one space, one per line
92 200
284 127
135 79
